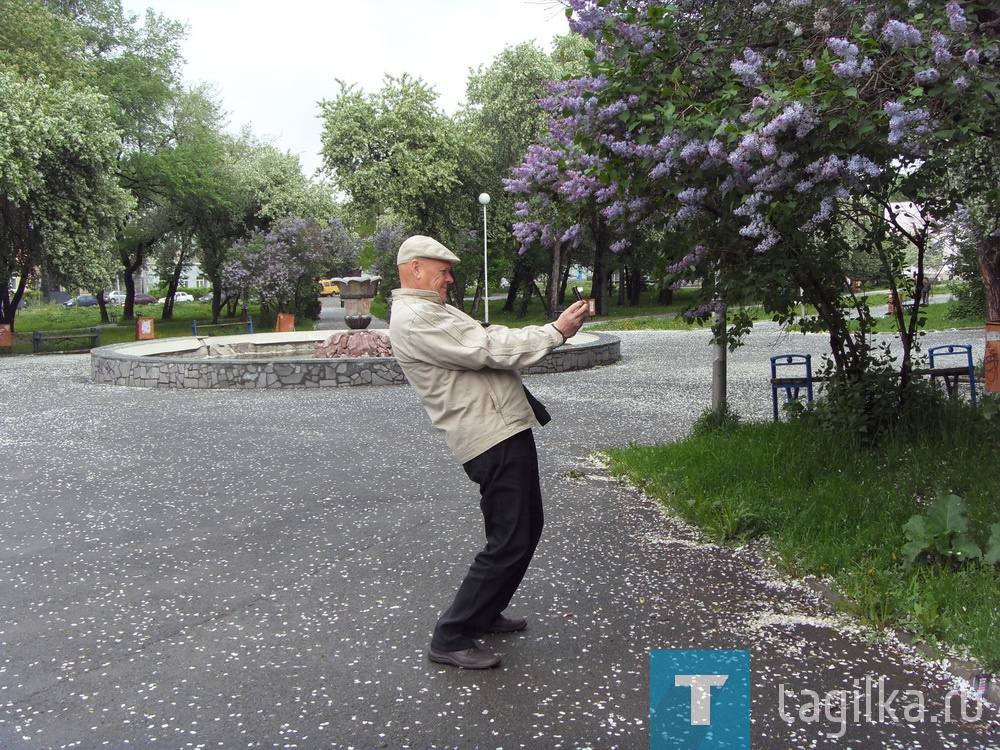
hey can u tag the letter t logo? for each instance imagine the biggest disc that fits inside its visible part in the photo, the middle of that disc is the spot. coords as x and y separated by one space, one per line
701 699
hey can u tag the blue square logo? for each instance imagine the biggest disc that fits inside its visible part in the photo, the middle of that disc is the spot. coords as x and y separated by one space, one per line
699 700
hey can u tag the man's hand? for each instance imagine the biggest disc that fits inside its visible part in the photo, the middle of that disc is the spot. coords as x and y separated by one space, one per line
572 318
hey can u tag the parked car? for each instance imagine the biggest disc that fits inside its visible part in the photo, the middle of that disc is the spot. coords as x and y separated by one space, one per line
144 299
84 300
327 288
115 297
178 297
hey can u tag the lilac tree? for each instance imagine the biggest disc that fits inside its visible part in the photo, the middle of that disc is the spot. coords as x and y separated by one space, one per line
774 135
280 267
504 114
389 235
562 199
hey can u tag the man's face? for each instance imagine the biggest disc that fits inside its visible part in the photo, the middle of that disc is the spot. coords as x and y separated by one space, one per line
435 276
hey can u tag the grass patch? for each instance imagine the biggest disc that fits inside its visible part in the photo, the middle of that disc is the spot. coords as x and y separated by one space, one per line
56 317
833 508
938 318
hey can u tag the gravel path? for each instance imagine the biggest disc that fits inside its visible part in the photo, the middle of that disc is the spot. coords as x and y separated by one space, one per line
263 569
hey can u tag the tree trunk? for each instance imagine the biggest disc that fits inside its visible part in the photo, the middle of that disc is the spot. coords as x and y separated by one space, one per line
564 280
102 306
529 289
8 303
477 297
172 284
216 303
520 268
555 273
600 290
989 269
635 291
131 266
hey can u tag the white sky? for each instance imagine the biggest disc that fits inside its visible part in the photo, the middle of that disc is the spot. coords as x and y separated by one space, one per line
271 61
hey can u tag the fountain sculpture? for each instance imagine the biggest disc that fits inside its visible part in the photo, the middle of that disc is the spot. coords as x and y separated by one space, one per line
357 293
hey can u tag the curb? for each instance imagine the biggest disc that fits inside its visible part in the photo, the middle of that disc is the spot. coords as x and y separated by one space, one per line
963 669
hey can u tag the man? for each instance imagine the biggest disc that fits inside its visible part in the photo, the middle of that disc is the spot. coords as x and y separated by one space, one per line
467 379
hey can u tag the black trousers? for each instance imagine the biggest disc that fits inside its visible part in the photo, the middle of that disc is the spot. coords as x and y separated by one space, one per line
511 502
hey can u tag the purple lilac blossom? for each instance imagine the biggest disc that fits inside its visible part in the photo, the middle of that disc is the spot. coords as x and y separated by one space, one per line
861 166
899 35
748 68
700 312
905 125
851 69
842 47
689 260
956 16
929 75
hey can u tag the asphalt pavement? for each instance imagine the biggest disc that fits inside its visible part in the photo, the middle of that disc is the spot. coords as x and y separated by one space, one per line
263 569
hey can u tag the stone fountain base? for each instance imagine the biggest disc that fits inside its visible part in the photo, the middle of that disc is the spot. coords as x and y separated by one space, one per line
286 360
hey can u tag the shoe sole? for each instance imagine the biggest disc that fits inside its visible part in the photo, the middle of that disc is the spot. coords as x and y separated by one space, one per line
517 629
442 657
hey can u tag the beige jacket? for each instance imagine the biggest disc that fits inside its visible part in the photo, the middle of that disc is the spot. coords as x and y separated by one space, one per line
466 375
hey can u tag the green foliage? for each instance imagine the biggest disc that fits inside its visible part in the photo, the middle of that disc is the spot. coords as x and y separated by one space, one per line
38 43
504 97
394 150
968 300
871 403
941 534
274 184
58 186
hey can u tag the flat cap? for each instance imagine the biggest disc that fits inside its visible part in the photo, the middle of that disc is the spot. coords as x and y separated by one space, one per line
419 246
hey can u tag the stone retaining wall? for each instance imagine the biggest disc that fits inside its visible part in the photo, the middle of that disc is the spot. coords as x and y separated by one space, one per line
283 360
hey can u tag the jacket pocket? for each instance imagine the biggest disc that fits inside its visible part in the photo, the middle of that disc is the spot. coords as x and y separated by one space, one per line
505 395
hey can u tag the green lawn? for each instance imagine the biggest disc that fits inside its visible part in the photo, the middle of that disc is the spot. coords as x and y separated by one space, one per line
55 317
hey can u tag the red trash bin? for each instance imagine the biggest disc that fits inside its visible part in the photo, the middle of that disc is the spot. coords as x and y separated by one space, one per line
285 324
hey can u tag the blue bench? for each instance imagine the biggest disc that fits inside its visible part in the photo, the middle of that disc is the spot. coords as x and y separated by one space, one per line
39 338
791 385
793 372
234 326
952 375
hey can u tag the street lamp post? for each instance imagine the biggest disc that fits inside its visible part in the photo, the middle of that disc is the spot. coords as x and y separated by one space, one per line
484 199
